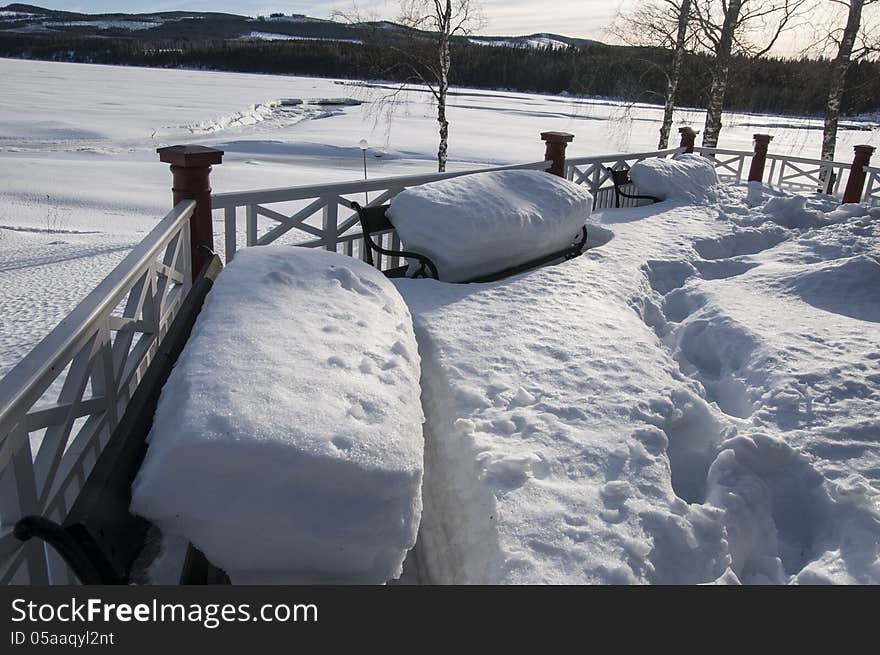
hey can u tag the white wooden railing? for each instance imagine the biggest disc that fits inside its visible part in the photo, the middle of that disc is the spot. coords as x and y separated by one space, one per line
60 404
310 215
782 171
872 187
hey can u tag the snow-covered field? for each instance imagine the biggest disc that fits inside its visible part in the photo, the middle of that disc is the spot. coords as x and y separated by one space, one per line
696 399
80 181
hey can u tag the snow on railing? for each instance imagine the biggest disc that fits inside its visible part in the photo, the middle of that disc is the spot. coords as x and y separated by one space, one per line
311 213
872 187
593 172
61 403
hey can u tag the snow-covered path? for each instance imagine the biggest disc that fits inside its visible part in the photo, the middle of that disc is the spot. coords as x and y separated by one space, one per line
685 403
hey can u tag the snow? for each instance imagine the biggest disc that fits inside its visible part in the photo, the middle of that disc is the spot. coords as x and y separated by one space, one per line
659 410
787 341
484 223
273 36
107 24
287 444
693 400
534 41
292 18
685 177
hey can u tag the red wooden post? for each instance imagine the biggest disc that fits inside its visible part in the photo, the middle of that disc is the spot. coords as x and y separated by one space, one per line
555 152
856 181
759 159
191 172
688 137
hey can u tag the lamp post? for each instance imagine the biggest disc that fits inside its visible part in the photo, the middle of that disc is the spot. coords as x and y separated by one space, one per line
363 145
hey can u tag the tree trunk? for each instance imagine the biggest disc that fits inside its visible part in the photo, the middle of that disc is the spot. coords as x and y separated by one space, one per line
444 129
720 74
684 14
442 92
443 86
836 85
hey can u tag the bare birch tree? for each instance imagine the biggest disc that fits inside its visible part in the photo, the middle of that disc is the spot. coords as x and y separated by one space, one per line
445 19
853 42
438 20
731 28
661 24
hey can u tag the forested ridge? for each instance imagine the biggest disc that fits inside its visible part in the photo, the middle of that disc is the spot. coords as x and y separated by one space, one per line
768 84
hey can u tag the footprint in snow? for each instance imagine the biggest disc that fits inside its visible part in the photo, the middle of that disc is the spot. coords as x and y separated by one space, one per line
522 398
351 282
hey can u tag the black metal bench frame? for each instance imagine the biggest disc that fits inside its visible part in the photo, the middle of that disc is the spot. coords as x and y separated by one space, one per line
100 539
374 220
620 177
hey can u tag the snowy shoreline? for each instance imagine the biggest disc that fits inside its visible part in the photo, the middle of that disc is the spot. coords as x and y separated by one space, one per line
859 122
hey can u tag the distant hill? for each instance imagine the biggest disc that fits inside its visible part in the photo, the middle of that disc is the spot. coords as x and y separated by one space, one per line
301 45
29 19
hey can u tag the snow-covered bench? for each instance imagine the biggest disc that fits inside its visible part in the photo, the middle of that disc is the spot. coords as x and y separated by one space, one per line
482 227
685 177
287 444
374 220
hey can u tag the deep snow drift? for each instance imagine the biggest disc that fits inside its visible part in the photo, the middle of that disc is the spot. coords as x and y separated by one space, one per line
484 223
696 400
287 445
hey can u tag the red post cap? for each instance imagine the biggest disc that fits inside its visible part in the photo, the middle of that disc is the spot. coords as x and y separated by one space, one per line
190 156
557 137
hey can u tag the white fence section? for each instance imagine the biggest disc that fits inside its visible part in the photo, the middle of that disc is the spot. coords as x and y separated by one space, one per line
310 215
872 187
61 403
782 171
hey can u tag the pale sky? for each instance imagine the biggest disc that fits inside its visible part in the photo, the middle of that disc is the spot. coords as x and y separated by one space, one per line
577 18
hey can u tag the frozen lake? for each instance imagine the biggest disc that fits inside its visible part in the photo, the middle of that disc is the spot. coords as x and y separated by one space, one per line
80 180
